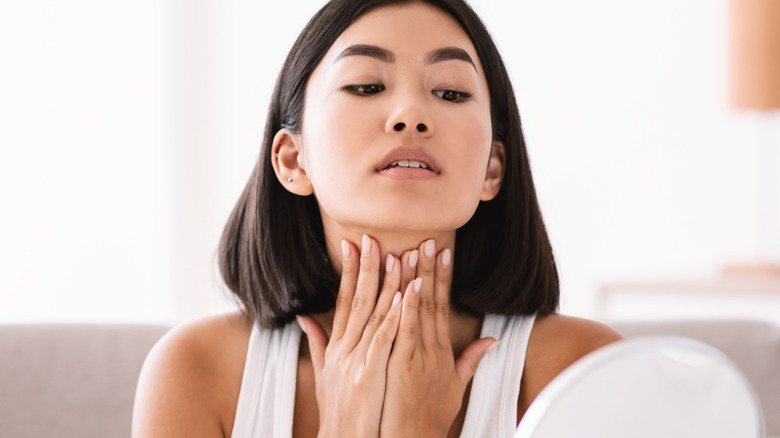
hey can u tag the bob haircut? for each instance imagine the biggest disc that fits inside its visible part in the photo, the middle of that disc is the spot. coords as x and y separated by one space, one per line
272 254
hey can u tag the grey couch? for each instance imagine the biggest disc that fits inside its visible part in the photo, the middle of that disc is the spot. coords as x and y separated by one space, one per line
72 381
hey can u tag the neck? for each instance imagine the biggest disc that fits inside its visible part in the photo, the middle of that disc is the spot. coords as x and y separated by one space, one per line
464 327
395 242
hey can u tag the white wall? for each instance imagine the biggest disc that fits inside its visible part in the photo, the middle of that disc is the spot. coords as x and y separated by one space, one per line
642 170
129 130
85 168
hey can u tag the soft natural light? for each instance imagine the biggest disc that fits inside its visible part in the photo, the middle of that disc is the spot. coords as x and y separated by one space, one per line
130 128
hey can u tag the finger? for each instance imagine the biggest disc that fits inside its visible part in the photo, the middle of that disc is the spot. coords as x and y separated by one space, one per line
318 340
426 267
467 363
406 339
381 342
364 299
442 295
390 286
408 268
392 281
349 275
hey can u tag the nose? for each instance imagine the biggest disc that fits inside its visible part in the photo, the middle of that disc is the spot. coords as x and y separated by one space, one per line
400 126
410 115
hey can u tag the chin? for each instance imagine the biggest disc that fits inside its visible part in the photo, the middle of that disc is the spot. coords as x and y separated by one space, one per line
403 214
409 221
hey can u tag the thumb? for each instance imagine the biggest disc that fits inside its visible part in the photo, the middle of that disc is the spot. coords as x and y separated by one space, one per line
318 340
466 365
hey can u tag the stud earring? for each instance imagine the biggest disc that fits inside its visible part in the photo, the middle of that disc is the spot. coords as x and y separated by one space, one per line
289 180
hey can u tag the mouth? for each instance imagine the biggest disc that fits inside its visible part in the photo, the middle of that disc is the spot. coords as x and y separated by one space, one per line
408 160
408 164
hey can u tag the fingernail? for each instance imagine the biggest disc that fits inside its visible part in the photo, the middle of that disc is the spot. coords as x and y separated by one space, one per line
446 257
366 245
418 284
344 249
413 259
493 346
429 249
301 323
397 298
390 264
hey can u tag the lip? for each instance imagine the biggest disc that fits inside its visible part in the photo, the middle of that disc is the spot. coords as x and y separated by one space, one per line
409 153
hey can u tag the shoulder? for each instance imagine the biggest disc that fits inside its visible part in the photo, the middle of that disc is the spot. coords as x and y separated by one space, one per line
191 378
556 342
559 339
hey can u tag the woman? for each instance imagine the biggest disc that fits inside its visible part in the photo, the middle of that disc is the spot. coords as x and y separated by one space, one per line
392 135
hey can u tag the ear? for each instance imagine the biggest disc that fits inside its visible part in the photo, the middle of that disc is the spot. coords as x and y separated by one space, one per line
495 171
286 158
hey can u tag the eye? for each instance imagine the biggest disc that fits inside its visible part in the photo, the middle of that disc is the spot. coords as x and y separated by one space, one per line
365 89
452 95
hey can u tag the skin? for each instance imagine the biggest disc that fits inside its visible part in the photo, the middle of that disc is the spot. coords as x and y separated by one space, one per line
392 359
353 131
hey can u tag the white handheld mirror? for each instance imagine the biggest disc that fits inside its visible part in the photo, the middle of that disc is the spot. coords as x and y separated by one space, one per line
647 387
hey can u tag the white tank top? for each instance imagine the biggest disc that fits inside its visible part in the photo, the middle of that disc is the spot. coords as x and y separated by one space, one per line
267 398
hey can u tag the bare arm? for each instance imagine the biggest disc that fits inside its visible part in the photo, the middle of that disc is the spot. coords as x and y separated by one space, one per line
190 381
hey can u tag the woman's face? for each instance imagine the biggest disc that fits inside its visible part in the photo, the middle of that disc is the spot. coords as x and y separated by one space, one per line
396 126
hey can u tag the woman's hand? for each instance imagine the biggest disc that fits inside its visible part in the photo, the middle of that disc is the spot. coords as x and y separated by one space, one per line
350 368
425 384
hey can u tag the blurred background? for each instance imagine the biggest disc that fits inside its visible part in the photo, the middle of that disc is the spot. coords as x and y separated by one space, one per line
128 130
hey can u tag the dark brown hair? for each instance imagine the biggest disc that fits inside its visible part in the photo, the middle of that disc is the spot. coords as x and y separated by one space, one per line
272 254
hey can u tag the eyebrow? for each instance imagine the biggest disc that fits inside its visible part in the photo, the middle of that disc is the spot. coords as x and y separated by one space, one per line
384 55
375 52
449 54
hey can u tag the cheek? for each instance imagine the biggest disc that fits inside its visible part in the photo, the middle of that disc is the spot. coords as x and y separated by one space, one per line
325 129
330 124
473 134
336 135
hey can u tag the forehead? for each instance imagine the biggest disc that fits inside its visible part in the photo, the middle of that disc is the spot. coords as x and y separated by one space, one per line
408 30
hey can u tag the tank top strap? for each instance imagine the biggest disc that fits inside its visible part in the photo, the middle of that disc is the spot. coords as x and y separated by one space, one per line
495 389
267 399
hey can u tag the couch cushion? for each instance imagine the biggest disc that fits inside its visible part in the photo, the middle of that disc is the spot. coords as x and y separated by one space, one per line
753 346
70 380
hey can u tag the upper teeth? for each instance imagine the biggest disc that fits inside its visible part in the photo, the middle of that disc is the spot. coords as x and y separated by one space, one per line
408 163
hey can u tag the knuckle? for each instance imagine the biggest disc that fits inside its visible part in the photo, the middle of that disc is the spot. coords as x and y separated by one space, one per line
389 285
376 318
392 317
443 308
357 302
427 304
410 331
426 270
443 280
366 266
380 338
341 300
347 268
